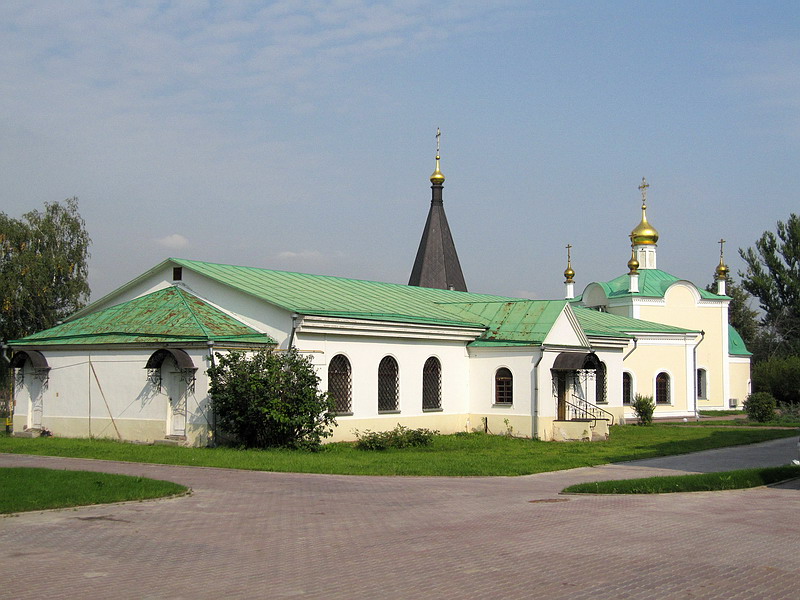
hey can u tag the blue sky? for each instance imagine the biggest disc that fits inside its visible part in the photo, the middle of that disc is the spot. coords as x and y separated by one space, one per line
300 135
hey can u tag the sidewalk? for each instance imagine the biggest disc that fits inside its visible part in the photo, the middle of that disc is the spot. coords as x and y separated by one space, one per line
243 534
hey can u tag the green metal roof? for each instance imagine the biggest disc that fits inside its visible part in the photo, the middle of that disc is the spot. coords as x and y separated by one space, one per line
603 324
513 322
736 345
652 283
338 296
164 316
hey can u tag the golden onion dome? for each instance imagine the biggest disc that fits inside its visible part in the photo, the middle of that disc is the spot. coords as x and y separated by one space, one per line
722 270
569 274
644 233
437 177
633 264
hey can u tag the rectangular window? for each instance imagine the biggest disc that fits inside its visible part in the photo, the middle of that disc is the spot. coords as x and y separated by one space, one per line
701 384
177 273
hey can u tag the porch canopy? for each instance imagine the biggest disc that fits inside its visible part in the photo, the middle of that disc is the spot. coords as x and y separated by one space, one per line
37 359
574 361
182 359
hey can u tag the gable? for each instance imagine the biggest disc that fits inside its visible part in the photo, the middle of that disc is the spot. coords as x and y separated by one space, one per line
566 331
682 294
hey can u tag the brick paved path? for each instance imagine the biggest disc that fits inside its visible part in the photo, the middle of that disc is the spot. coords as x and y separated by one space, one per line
272 535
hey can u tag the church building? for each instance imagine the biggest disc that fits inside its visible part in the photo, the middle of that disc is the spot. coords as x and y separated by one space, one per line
132 365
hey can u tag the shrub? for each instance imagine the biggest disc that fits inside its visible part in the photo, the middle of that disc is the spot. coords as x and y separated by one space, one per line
788 413
644 407
780 377
760 407
270 399
399 437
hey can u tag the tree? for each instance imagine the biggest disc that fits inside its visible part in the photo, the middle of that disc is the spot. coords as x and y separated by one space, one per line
773 276
270 399
43 268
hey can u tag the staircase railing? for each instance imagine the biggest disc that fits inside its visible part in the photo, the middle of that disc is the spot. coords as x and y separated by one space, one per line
583 410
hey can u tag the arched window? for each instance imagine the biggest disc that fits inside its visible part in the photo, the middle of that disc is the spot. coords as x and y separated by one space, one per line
339 384
702 384
627 388
503 386
432 384
662 388
600 393
387 384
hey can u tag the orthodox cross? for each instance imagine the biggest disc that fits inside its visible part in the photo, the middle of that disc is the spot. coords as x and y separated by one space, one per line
569 247
438 135
643 189
721 243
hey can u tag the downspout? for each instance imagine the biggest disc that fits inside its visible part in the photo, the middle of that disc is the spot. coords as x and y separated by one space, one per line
213 432
694 372
536 396
635 345
295 317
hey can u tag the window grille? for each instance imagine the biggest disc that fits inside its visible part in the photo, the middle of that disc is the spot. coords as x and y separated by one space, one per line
432 384
662 388
627 388
339 387
503 386
701 383
387 384
600 394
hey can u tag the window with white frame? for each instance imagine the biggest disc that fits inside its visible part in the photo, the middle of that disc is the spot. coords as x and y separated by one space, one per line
627 389
702 384
388 388
339 384
662 388
432 384
503 386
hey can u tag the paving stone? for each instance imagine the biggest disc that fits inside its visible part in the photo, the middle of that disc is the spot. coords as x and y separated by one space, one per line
278 535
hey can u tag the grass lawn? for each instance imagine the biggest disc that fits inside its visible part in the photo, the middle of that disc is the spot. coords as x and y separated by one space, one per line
743 422
720 413
25 489
450 455
703 482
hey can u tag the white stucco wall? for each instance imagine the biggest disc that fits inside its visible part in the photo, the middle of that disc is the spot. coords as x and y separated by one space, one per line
105 393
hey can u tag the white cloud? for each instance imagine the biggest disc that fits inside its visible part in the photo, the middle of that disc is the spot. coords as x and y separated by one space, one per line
303 255
173 241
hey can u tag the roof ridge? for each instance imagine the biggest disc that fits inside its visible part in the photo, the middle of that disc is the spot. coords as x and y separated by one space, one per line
187 261
182 295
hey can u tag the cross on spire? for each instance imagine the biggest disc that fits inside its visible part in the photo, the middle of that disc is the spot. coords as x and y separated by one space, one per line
721 243
438 135
569 247
643 188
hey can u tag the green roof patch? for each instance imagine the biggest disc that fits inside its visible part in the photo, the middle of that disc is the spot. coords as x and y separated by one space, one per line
653 283
736 345
325 295
603 324
167 315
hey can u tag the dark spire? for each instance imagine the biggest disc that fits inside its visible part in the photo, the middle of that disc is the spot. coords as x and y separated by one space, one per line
436 265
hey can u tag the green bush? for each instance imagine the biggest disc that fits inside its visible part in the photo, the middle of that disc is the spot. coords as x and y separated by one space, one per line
788 413
399 437
780 377
760 407
270 399
644 407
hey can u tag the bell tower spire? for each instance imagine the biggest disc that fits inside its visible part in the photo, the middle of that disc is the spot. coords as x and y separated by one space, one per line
437 264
